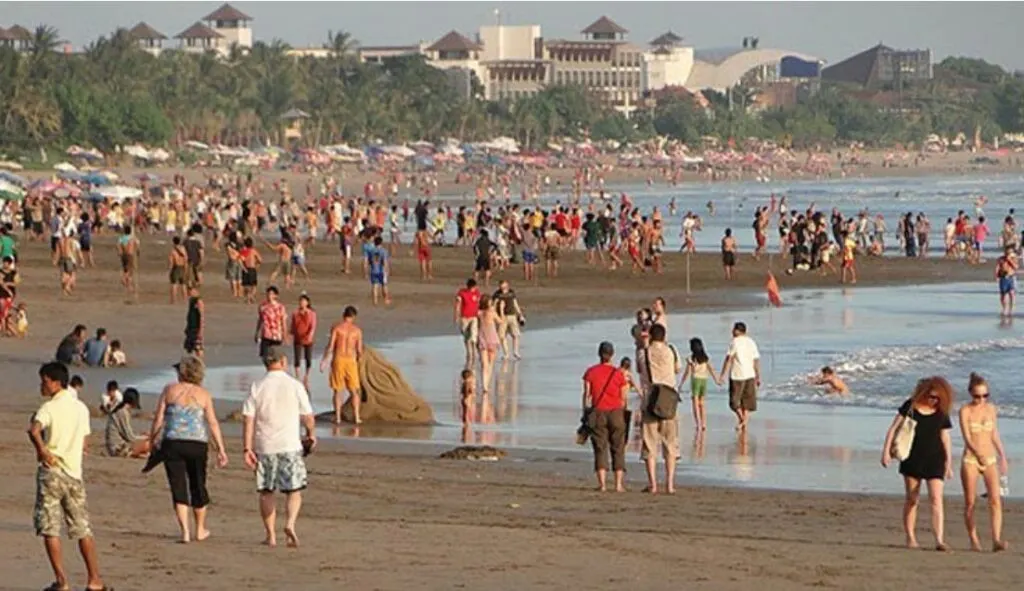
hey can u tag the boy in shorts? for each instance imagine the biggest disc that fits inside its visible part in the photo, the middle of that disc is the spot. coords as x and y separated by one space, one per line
58 431
379 265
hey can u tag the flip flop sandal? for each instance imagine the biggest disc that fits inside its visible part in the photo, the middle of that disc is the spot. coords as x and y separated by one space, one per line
55 587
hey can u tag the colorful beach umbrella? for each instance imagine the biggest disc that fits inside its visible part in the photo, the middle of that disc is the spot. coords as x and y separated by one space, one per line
10 192
12 178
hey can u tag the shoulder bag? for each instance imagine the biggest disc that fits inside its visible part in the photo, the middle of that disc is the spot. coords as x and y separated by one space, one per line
904 438
588 422
662 400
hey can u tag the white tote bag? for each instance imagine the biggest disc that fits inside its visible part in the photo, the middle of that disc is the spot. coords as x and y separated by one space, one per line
904 438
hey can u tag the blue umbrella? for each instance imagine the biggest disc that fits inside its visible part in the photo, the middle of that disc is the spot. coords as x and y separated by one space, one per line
97 179
70 175
12 178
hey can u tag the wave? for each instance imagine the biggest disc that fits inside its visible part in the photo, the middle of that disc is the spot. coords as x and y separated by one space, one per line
883 377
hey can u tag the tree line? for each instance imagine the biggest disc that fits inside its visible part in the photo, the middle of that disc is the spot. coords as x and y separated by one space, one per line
114 93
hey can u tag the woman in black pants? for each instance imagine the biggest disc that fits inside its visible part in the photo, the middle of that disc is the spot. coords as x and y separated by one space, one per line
186 421
604 402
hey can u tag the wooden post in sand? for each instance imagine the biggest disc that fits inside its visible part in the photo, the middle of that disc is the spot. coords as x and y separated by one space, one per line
687 272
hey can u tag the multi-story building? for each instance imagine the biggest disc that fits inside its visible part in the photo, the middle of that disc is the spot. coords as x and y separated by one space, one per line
882 65
603 62
17 37
200 38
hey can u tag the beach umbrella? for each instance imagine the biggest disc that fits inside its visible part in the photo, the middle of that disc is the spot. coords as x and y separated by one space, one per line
10 192
116 192
95 178
10 165
65 167
12 178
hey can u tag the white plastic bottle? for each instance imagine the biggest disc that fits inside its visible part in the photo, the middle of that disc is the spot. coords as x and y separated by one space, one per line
1004 486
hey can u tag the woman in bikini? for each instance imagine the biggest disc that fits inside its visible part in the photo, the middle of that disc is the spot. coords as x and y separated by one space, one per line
984 457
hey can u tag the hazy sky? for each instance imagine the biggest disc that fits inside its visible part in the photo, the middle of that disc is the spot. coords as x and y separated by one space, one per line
829 30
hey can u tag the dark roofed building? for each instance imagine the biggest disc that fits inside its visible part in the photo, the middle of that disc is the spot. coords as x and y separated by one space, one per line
148 38
144 32
5 37
455 46
666 39
226 13
199 37
20 33
881 65
604 29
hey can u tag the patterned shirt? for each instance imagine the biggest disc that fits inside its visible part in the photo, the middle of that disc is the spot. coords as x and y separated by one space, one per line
272 321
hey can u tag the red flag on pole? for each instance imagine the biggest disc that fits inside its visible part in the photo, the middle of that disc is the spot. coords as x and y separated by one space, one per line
772 288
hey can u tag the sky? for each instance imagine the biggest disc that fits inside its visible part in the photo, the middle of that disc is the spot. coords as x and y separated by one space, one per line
828 30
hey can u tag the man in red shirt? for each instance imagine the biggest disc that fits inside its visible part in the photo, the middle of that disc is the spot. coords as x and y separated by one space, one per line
270 323
467 306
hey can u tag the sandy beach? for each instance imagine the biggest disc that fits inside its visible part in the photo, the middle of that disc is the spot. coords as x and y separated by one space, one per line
382 516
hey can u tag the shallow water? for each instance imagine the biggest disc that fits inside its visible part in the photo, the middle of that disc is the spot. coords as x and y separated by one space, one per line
938 197
880 340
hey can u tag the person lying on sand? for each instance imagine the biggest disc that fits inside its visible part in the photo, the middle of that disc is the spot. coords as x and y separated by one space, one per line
832 382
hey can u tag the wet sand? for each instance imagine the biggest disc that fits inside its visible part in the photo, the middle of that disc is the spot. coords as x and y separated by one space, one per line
388 516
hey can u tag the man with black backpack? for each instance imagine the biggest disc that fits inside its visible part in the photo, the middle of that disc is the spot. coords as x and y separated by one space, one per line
660 429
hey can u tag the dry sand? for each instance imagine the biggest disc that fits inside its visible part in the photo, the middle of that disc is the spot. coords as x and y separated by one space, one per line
382 519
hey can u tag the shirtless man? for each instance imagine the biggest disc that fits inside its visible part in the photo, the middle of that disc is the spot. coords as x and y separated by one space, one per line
344 349
176 261
833 383
128 252
728 253
421 244
284 262
66 262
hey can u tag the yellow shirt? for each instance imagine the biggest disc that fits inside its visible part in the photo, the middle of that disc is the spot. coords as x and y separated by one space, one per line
65 422
537 220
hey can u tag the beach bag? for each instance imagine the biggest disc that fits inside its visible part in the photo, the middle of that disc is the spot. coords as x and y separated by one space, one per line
662 402
588 422
904 438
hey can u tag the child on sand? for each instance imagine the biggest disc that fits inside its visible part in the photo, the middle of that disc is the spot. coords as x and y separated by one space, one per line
117 355
833 383
468 392
111 398
698 369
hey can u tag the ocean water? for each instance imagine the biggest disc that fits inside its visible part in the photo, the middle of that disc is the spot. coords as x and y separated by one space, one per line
735 203
880 340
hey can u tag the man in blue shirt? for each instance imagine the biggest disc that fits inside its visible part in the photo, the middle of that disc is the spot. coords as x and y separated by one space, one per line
96 349
379 266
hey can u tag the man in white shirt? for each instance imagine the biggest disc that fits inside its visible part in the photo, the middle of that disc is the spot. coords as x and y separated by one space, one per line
58 431
743 362
276 405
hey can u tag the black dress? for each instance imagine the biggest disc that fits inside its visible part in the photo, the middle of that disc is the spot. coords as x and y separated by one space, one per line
927 458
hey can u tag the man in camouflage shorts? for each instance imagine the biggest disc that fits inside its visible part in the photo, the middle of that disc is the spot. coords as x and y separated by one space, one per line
58 431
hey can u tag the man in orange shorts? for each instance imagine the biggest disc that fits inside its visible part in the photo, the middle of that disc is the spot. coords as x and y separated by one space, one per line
345 348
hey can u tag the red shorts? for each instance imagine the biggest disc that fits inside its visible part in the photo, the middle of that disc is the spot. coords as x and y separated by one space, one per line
760 240
5 307
847 263
423 254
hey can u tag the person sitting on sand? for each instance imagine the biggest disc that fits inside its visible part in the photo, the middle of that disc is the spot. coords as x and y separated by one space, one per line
117 356
832 382
112 398
120 438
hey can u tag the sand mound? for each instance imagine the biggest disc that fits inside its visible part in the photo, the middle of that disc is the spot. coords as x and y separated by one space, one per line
387 397
474 452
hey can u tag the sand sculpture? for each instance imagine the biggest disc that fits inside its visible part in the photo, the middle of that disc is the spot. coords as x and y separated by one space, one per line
387 397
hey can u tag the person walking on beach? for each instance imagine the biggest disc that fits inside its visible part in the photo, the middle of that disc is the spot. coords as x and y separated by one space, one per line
604 405
488 340
276 405
270 322
743 364
510 316
467 307
302 329
421 243
849 267
183 424
931 454
345 348
58 431
660 433
985 458
195 323
698 369
177 260
1006 274
128 253
728 254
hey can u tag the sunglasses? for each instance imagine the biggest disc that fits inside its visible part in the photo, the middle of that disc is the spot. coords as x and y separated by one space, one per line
985 395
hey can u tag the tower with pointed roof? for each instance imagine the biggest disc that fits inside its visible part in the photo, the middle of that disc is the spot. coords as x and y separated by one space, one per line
666 65
233 25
